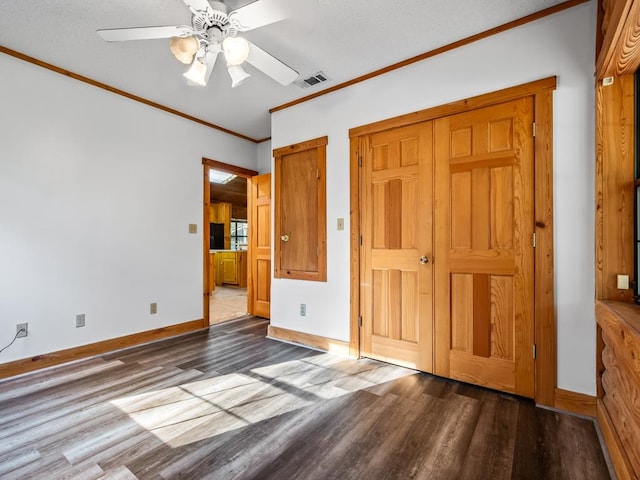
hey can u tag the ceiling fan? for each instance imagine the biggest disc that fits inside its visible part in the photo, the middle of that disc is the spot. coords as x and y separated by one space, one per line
213 31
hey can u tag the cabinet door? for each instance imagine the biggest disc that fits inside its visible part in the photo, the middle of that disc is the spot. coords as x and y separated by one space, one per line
229 268
300 211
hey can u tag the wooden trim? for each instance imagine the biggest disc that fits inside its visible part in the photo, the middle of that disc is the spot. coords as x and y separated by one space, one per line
545 319
614 445
117 91
38 362
620 49
330 345
614 19
301 147
599 28
626 55
227 167
354 221
600 368
614 187
206 234
252 242
575 402
432 53
322 214
544 313
459 106
599 192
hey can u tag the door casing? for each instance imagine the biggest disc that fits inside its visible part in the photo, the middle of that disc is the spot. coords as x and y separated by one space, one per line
544 315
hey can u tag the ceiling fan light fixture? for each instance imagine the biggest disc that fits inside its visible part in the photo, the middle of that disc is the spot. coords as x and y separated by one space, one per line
236 50
237 74
196 73
183 48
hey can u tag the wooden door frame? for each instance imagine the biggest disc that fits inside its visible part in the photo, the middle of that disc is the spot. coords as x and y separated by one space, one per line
208 164
544 300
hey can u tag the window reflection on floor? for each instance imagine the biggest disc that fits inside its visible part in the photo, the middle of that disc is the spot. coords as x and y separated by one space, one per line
227 303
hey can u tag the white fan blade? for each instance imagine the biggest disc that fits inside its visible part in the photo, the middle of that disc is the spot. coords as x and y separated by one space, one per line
144 33
258 14
210 60
270 65
200 5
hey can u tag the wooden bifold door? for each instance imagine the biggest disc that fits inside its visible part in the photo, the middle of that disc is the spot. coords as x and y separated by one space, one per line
447 259
397 242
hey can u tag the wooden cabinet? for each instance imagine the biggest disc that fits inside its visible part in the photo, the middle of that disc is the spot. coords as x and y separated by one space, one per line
619 405
300 211
221 213
231 268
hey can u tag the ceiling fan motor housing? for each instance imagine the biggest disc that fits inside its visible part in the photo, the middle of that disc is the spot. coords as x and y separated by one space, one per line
214 22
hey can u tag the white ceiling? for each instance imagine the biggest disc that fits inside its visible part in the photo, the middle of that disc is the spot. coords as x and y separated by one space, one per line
343 38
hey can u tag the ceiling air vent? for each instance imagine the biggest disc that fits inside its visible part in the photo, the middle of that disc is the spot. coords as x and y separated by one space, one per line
313 80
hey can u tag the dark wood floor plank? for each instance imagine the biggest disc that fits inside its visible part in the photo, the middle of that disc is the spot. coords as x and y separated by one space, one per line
536 450
580 452
451 442
49 377
228 403
74 399
490 453
328 433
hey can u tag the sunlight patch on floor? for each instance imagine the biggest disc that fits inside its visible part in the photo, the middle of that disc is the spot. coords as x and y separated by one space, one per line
206 408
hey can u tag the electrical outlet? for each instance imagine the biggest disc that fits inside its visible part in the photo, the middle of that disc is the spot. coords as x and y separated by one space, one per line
22 330
623 282
303 309
153 308
80 320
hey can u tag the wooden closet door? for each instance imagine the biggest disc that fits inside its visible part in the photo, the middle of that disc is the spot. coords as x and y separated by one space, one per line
396 216
484 257
259 282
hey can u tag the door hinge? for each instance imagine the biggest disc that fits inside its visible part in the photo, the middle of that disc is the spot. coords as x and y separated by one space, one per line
360 240
534 239
534 351
360 321
359 160
534 129
317 173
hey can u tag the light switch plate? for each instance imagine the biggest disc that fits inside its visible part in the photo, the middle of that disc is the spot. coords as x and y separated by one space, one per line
341 224
193 228
623 282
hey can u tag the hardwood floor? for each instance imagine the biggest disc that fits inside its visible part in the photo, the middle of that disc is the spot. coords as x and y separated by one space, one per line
230 404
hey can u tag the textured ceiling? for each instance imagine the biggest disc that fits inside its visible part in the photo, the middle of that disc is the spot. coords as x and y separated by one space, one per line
343 38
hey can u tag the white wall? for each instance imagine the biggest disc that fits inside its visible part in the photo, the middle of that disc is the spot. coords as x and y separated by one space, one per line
561 45
96 194
264 156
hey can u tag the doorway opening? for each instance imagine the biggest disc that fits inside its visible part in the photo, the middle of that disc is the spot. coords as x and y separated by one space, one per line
225 241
